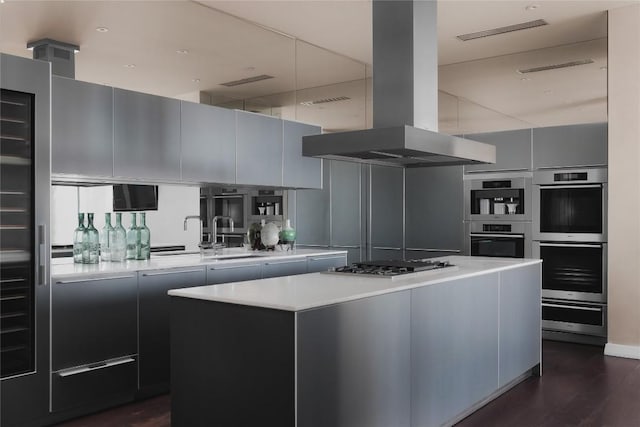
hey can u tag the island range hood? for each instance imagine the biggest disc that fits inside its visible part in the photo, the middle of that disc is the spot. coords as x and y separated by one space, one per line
405 98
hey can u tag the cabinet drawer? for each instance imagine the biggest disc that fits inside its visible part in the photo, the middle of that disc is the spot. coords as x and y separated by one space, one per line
233 273
93 320
110 381
284 268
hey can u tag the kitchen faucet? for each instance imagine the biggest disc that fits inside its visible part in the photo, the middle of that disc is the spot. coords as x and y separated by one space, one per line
202 243
215 226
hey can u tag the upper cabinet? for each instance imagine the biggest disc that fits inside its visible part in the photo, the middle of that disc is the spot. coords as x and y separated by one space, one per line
313 213
570 146
387 208
346 212
82 128
208 137
258 149
513 150
299 171
146 141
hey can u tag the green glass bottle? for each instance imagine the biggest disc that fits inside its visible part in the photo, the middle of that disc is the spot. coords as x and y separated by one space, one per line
78 240
133 239
119 241
145 238
106 237
91 243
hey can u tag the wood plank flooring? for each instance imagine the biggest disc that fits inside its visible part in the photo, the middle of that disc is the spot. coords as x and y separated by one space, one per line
579 387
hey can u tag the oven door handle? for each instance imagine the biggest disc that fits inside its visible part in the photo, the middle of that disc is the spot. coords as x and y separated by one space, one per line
508 236
568 186
572 307
571 245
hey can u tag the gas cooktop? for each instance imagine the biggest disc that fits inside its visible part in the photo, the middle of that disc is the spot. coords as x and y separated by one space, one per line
391 269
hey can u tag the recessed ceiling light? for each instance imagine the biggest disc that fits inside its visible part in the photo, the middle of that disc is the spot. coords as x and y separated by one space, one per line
130 65
532 7
196 80
102 29
182 51
525 79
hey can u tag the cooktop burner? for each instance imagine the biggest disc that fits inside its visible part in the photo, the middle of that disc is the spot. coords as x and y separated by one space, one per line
391 268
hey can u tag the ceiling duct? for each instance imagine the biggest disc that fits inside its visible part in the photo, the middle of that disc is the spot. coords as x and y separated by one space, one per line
60 54
556 66
502 30
247 80
405 98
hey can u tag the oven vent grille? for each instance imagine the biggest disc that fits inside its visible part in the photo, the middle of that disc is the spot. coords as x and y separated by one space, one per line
556 66
502 30
247 80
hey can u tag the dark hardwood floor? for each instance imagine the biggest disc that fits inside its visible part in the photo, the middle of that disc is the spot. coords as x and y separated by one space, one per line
579 387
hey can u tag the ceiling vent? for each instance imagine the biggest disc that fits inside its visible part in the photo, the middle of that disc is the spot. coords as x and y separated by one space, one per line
60 54
247 80
325 100
502 30
556 66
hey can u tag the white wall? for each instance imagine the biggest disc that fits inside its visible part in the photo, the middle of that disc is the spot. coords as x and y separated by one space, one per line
166 224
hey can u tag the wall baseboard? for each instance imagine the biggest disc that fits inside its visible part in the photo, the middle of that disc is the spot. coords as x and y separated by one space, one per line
619 350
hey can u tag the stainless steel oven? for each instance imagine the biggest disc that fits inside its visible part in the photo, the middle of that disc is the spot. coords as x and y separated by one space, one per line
574 317
231 203
498 239
573 271
498 196
571 205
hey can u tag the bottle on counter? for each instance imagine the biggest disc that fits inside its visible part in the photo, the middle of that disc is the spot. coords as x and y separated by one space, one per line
106 236
118 241
145 238
288 235
133 239
90 242
78 236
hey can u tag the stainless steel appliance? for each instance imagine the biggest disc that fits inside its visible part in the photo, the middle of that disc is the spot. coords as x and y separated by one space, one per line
498 196
270 205
229 203
570 205
573 271
25 140
391 268
498 239
570 317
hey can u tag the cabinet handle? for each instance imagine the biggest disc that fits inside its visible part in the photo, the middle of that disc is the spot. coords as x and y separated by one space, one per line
312 246
233 267
94 367
453 251
345 247
65 282
326 258
285 262
164 273
42 254
386 248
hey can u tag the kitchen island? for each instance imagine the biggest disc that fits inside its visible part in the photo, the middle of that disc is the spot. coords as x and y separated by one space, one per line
423 349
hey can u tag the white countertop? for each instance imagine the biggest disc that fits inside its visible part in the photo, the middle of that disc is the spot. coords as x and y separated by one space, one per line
302 292
64 268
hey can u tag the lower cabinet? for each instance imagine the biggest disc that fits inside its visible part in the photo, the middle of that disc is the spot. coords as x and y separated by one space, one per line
233 273
94 341
324 263
153 307
284 268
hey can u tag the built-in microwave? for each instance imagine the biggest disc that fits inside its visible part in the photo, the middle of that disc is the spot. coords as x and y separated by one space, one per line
571 205
498 239
498 196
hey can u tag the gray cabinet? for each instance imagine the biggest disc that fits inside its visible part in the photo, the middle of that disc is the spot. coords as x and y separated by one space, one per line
94 340
284 268
387 207
233 273
81 128
146 136
323 263
378 254
345 203
313 212
299 171
354 254
153 311
208 136
258 149
513 150
434 208
568 146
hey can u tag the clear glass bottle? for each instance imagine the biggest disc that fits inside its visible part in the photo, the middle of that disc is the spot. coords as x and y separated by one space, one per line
118 241
78 240
105 238
133 239
145 238
91 242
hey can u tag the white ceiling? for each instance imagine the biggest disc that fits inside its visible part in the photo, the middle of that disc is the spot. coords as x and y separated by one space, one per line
223 48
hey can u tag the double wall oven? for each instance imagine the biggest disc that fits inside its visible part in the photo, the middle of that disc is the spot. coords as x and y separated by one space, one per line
498 213
570 237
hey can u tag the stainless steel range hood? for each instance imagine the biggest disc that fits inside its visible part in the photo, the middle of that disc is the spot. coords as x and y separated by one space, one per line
405 98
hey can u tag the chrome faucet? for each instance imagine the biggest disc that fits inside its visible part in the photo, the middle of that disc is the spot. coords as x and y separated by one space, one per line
215 226
202 243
